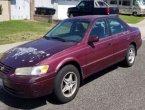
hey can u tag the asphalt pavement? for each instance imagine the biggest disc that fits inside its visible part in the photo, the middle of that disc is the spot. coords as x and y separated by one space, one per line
116 88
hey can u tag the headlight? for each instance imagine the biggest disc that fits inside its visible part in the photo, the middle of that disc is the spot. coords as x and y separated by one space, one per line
37 70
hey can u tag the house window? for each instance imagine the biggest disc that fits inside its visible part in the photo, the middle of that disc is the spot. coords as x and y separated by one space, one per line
0 9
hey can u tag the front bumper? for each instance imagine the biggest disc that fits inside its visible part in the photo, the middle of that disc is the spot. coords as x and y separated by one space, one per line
28 90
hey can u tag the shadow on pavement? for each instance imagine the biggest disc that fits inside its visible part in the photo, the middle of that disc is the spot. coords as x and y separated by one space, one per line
99 74
19 103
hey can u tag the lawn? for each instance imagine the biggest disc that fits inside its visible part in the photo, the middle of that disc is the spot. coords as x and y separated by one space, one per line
131 19
22 30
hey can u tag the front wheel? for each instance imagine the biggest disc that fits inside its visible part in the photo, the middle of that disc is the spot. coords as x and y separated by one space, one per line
67 83
130 56
71 15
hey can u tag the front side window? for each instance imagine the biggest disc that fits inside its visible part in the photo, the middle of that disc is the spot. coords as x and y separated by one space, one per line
99 29
69 31
116 26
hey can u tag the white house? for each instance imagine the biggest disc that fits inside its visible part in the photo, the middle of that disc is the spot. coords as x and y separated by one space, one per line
61 6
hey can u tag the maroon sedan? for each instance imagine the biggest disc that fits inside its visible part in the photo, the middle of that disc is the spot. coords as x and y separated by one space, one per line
73 50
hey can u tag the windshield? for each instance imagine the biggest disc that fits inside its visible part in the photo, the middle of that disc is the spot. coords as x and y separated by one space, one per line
141 2
69 31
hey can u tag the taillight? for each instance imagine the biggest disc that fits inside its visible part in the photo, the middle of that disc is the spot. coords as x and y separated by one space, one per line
107 10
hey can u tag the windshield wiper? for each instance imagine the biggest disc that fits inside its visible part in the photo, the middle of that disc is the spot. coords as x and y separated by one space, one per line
58 38
55 38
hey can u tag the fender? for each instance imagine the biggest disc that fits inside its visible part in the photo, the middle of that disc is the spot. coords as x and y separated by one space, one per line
67 60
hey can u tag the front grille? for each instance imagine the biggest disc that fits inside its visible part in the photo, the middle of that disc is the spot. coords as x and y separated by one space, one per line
5 69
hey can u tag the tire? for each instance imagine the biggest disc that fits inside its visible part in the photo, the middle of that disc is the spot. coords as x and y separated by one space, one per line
130 56
134 13
67 83
71 15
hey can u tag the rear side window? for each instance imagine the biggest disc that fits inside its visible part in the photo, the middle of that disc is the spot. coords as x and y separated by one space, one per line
100 29
84 4
126 2
116 26
101 4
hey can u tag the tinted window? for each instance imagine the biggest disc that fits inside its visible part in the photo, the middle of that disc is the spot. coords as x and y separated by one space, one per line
115 26
84 4
126 2
99 29
100 3
113 2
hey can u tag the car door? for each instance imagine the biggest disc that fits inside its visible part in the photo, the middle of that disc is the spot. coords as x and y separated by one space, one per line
121 36
99 54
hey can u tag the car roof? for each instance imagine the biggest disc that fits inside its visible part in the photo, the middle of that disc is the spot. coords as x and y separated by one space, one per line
93 17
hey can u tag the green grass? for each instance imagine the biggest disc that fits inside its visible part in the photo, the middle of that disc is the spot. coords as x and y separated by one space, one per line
22 30
131 19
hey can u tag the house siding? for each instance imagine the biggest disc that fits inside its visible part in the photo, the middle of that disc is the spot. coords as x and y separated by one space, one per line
5 10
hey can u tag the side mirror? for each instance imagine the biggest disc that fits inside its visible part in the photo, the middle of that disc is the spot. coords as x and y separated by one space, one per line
93 39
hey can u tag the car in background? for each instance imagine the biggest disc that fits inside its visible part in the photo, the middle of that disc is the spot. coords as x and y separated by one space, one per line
132 7
92 7
73 50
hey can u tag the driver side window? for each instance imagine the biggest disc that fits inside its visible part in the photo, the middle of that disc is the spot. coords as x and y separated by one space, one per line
100 29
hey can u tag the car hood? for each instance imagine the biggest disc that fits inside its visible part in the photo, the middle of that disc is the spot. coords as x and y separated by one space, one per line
33 52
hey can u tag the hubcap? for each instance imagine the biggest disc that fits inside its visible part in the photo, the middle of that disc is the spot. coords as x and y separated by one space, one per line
69 84
131 56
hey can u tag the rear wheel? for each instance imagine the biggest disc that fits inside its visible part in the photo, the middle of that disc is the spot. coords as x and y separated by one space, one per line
134 13
67 83
130 56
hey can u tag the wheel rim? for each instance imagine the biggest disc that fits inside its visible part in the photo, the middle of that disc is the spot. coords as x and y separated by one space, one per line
69 84
131 56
